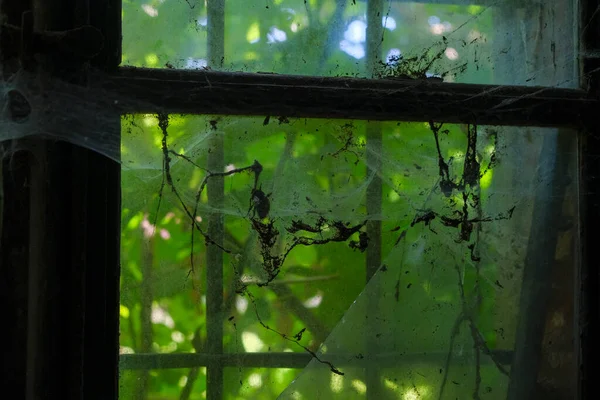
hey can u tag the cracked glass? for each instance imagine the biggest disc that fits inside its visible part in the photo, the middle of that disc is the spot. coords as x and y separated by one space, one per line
465 253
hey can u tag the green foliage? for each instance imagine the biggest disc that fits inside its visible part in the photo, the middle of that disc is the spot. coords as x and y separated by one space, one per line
311 168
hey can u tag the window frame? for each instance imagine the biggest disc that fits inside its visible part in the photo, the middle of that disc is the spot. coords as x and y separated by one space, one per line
77 252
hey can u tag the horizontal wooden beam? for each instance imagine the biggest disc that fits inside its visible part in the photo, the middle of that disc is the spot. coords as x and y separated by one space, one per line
190 360
139 90
283 360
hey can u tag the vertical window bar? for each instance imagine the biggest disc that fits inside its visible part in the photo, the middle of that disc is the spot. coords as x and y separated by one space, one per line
588 279
374 190
68 232
57 237
101 334
541 261
539 265
215 187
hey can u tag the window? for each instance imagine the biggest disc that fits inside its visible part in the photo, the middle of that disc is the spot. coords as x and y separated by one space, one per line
320 199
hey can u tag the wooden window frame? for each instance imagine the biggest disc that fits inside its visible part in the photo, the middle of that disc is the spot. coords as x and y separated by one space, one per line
62 202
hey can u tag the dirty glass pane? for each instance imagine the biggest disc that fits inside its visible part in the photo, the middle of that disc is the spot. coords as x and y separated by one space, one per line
257 383
502 42
474 285
163 384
